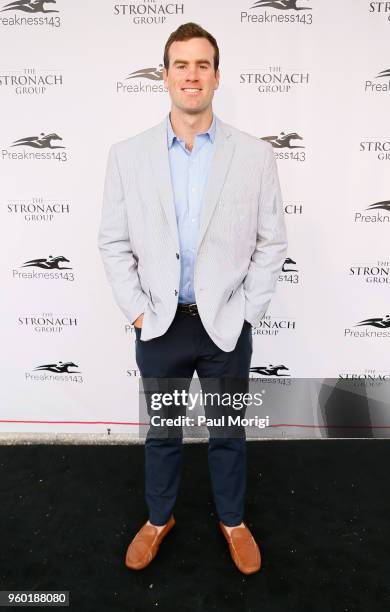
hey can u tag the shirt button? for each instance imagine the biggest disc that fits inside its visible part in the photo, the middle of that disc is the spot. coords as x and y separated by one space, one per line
177 256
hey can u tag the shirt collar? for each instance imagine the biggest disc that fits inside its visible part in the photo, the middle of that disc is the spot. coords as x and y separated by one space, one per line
171 134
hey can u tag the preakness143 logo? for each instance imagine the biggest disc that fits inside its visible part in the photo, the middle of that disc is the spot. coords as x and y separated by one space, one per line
45 142
143 80
288 142
289 272
380 323
378 212
49 268
279 11
381 83
271 371
29 13
62 372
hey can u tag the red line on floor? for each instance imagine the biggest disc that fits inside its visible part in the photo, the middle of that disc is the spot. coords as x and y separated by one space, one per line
136 424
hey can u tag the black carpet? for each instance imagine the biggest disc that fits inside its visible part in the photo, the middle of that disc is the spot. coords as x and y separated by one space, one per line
320 511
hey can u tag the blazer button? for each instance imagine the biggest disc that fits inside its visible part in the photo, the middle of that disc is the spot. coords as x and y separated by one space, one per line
177 256
175 292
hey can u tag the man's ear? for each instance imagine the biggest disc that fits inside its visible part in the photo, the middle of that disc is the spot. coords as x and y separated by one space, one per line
217 75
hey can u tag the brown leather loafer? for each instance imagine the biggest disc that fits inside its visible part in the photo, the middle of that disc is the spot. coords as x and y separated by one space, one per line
243 549
144 546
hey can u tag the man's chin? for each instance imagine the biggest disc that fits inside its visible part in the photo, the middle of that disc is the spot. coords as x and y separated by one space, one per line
193 110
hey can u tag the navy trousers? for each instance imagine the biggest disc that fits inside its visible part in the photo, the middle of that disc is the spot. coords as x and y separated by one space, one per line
183 349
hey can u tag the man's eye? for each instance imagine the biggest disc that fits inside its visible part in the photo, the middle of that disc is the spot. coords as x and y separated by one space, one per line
204 67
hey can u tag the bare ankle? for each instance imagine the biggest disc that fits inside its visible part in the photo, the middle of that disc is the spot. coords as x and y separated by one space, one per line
233 527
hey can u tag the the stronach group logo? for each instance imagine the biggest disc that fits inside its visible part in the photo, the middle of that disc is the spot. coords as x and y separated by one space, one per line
30 81
274 79
60 372
376 214
279 11
378 272
380 147
287 141
381 85
291 208
149 11
369 376
147 80
380 7
53 269
271 326
47 322
381 323
289 272
43 141
30 7
38 209
133 373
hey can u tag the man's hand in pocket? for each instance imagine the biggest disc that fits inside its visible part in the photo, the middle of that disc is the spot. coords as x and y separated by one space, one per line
138 322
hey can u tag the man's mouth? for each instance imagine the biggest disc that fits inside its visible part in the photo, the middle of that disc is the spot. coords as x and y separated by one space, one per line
191 89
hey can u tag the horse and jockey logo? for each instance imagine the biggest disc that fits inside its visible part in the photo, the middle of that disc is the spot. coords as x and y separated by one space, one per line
43 141
385 205
30 6
283 141
49 263
59 368
153 74
288 262
282 5
384 73
270 370
381 322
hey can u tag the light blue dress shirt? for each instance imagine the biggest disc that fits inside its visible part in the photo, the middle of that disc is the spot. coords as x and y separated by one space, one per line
189 173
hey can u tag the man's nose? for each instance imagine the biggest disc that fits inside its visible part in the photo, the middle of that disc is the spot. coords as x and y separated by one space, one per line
193 73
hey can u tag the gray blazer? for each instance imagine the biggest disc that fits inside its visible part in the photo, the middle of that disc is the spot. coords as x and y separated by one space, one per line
242 237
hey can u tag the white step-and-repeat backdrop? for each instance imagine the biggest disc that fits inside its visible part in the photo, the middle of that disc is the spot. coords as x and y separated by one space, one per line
310 76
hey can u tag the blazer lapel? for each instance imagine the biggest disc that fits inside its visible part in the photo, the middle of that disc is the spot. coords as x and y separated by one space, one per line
223 152
162 175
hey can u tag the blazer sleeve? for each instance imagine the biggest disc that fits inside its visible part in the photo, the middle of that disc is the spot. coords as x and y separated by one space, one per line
115 246
271 244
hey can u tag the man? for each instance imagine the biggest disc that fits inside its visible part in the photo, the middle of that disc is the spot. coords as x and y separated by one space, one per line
193 239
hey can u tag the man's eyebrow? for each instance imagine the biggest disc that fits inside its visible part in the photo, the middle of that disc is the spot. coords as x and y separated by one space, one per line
200 61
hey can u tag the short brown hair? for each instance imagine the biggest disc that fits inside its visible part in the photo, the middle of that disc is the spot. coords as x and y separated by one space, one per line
187 31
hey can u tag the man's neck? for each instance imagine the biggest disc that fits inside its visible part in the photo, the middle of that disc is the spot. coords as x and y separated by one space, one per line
186 127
